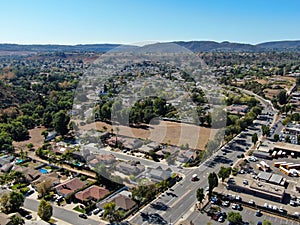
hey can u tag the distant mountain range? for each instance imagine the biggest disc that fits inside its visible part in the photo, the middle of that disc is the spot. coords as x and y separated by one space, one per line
195 46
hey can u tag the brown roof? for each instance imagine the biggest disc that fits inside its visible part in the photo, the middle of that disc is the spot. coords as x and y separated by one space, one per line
123 202
94 192
70 186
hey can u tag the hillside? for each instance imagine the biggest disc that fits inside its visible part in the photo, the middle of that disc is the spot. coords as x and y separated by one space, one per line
195 46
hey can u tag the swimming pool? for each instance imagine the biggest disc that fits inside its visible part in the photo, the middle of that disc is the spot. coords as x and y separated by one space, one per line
43 170
18 161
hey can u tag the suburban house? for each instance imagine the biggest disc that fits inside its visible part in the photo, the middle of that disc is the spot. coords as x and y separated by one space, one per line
94 193
186 156
105 159
127 143
130 168
237 109
6 159
159 174
51 179
69 187
30 173
122 200
51 135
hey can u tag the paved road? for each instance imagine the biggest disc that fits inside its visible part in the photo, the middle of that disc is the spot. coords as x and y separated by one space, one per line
180 204
61 213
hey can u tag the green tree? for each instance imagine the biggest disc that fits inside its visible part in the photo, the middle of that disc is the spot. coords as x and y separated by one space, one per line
234 217
200 195
61 121
111 213
276 137
11 202
212 183
5 140
45 210
266 222
15 220
282 97
224 173
254 138
265 130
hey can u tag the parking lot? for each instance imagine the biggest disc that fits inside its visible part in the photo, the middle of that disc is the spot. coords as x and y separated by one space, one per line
248 216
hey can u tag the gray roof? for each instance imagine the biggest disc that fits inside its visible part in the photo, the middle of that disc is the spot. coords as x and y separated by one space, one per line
276 179
264 176
159 174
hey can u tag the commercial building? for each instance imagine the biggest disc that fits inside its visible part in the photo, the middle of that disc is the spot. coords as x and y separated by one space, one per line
257 188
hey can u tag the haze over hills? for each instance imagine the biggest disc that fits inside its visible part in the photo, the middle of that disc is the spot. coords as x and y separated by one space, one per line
195 46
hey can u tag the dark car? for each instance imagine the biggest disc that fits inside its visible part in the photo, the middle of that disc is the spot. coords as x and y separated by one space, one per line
29 192
239 207
258 213
28 216
83 216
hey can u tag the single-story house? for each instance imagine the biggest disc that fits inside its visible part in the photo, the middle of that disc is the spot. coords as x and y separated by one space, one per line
130 168
186 156
30 173
159 174
237 109
123 202
105 158
51 135
92 193
52 179
69 187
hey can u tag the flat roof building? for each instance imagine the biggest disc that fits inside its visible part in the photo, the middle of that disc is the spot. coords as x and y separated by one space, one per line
258 188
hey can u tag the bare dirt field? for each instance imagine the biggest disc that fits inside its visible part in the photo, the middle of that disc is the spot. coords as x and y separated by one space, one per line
270 93
35 138
261 81
165 132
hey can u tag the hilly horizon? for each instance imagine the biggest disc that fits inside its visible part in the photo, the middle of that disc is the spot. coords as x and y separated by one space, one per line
195 46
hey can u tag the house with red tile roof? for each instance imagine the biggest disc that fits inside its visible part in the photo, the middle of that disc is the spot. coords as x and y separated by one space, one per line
69 187
94 193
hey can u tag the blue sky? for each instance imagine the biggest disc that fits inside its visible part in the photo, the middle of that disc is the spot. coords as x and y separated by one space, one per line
131 21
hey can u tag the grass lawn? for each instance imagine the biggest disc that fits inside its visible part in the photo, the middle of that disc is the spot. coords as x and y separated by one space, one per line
78 209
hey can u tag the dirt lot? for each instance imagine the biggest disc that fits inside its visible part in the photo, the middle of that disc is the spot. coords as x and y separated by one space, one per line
35 138
165 132
270 93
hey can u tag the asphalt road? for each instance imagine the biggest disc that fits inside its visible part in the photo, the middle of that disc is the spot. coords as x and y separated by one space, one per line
61 213
179 205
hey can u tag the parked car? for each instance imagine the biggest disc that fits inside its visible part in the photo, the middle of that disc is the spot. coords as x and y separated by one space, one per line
251 202
258 213
239 207
226 203
101 213
293 203
83 216
221 219
95 211
234 206
28 216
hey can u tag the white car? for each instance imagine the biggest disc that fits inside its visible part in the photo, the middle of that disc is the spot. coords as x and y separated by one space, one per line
101 213
95 211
